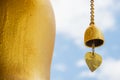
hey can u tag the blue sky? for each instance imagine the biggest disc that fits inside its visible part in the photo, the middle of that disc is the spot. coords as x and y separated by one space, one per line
72 18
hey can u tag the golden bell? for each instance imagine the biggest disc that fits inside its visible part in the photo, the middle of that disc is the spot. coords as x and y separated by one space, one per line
93 35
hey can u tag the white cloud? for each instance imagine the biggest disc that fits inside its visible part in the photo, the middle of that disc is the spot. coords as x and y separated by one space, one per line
60 67
80 63
86 74
72 17
110 70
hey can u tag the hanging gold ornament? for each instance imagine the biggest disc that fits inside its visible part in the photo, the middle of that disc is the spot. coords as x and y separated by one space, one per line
93 61
93 38
93 35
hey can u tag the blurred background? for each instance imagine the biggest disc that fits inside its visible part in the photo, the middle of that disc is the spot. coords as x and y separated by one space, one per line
72 18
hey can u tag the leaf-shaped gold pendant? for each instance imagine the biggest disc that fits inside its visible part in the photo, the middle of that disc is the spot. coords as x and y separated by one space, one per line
93 61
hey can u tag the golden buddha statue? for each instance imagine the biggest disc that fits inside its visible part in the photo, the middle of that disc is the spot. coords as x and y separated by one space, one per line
27 33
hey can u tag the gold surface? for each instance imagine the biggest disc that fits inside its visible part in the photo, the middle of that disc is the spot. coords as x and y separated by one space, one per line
93 61
93 35
27 32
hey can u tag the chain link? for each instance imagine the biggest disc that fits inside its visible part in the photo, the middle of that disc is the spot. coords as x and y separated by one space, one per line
92 11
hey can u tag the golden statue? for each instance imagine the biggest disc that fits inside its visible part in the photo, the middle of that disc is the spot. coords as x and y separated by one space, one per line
27 32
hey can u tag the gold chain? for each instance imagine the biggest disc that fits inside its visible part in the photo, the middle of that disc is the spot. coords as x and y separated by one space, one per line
92 12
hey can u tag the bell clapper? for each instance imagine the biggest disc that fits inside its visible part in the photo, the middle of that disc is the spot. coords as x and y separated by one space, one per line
93 49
